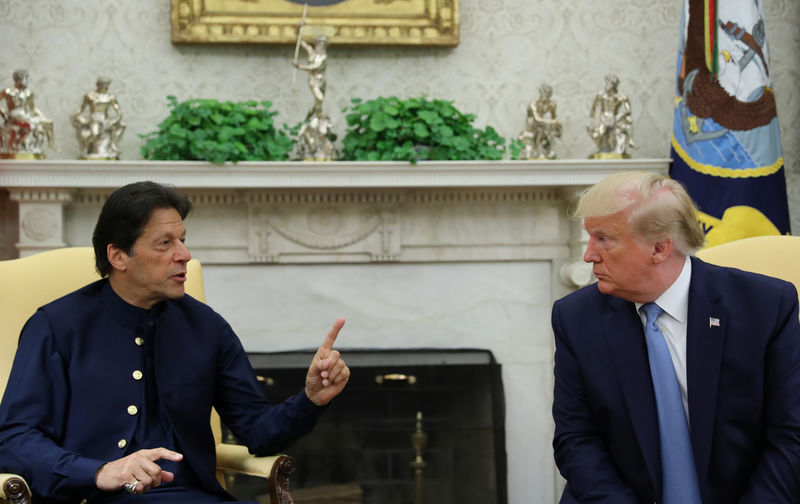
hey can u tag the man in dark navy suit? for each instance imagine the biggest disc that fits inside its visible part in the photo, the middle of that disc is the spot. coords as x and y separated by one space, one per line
111 390
733 342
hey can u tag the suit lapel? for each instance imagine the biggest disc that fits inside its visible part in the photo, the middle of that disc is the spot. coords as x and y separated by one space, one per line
625 338
705 340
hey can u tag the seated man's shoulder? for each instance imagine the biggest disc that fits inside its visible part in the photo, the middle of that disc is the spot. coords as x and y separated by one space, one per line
197 310
746 293
753 282
188 303
79 299
584 297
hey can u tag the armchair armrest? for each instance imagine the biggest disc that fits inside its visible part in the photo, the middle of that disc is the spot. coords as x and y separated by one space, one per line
276 468
14 489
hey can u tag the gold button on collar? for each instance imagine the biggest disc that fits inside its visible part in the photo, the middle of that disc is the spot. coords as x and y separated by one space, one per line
132 410
137 375
122 443
139 341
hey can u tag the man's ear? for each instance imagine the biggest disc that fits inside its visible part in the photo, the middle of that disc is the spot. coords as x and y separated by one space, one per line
117 257
661 250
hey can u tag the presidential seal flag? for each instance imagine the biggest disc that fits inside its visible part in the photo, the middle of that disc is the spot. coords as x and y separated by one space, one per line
725 140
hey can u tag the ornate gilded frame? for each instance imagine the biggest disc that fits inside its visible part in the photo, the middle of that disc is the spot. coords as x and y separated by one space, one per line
347 22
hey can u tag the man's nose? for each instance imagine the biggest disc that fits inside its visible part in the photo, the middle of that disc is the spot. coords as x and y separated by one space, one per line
590 255
183 254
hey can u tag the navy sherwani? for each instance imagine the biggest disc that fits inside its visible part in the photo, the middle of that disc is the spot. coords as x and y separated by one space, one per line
74 399
743 380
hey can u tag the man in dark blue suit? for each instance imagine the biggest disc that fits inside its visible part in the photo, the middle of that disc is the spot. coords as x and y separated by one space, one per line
733 342
111 390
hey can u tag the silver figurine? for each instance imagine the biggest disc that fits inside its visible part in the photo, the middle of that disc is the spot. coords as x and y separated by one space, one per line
23 127
98 123
317 63
541 127
315 139
611 122
316 136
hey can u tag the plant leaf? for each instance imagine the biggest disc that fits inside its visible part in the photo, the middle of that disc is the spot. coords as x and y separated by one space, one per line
378 122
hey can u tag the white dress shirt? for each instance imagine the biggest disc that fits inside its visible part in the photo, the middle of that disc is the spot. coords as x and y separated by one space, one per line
672 323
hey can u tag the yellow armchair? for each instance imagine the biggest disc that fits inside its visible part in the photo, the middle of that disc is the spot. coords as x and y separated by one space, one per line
774 255
30 282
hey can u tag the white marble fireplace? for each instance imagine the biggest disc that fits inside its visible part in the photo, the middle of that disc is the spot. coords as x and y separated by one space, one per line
435 255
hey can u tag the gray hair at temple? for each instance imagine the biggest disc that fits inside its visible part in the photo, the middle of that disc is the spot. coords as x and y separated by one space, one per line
657 207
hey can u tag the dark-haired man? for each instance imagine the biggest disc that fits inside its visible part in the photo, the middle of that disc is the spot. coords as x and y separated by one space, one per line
112 386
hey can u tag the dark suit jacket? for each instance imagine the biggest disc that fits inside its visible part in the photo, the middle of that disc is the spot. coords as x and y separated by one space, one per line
65 411
743 389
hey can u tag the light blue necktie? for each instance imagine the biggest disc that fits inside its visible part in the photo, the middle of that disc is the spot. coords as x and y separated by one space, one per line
677 462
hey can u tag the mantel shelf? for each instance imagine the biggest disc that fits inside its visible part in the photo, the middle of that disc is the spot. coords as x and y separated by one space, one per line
67 174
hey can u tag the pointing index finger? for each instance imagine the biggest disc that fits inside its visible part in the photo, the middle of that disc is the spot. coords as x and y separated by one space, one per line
327 345
160 453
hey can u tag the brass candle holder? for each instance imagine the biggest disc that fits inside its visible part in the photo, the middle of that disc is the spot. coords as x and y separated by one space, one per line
419 439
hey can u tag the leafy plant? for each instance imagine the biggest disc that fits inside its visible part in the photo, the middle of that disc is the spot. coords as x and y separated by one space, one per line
218 132
515 148
391 129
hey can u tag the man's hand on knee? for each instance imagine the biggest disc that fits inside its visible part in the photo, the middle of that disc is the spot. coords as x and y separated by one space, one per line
137 473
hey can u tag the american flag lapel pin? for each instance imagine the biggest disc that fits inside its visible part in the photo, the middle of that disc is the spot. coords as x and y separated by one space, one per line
713 322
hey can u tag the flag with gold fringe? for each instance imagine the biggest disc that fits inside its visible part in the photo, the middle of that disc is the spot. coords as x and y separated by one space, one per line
726 145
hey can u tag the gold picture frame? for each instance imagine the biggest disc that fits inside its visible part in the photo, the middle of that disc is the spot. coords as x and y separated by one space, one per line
344 22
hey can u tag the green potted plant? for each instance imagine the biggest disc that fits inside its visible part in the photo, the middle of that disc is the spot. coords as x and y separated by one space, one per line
393 129
215 131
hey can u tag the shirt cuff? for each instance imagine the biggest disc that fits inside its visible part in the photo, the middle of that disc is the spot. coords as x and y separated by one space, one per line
305 407
82 472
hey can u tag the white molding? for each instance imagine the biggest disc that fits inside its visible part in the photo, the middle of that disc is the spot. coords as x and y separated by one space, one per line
388 211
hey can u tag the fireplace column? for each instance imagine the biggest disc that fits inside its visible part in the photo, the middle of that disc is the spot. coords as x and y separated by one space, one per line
41 219
576 273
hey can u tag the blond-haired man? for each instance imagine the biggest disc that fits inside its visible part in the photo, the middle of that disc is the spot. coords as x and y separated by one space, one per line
731 344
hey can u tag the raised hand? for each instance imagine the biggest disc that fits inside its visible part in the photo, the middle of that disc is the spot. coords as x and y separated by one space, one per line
328 373
139 467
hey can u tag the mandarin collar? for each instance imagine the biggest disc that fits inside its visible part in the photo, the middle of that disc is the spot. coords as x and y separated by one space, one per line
125 313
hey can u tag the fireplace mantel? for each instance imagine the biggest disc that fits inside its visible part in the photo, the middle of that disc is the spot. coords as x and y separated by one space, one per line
278 212
435 255
68 174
